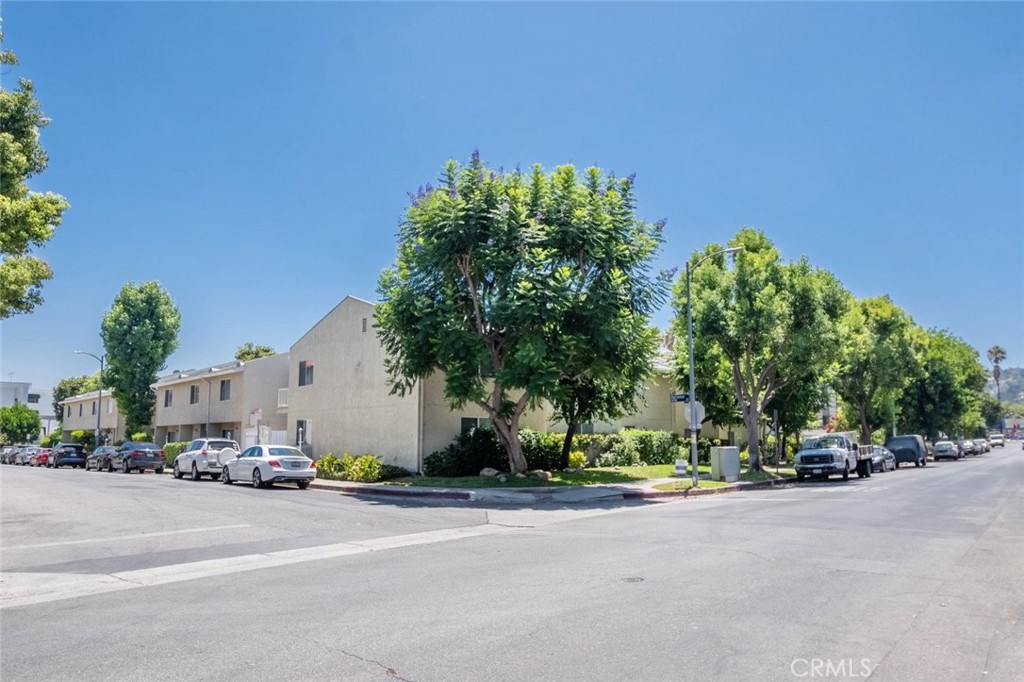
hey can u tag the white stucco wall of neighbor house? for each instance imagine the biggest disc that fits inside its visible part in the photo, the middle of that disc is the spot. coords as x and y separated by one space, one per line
344 402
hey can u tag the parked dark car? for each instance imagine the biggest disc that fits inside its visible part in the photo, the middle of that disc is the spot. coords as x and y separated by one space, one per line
138 456
100 458
911 448
881 459
968 447
66 454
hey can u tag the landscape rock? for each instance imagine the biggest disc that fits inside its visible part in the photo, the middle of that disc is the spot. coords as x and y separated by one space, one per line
488 471
542 475
503 479
520 475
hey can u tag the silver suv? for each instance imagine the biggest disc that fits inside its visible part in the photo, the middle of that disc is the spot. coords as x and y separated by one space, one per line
203 456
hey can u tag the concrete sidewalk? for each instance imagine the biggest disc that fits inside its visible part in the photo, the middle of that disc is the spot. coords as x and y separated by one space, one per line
583 494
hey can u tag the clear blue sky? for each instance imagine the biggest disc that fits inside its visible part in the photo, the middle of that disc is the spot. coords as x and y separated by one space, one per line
255 158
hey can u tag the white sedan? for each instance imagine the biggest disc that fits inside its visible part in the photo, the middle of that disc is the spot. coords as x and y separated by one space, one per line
264 465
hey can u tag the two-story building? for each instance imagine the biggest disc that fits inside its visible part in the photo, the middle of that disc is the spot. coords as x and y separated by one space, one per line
237 400
339 399
80 412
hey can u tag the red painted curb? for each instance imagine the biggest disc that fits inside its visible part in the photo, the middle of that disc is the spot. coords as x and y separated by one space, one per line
699 492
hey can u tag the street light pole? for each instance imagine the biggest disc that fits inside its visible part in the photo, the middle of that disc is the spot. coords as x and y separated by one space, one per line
694 427
99 398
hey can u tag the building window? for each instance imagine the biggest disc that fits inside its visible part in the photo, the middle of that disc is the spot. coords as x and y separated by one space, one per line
305 373
79 409
110 406
168 397
586 427
228 434
33 397
171 436
193 394
94 407
225 389
364 325
470 423
69 410
282 397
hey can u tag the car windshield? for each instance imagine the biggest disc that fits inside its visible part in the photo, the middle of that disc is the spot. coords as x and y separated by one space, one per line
286 452
221 444
824 443
943 445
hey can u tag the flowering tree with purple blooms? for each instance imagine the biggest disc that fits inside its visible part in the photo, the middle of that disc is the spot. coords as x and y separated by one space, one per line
524 289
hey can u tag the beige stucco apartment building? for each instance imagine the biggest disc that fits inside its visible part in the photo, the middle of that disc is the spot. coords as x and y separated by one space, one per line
79 413
339 398
230 400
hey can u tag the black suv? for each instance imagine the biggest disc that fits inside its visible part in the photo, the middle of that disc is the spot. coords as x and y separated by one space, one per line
908 449
66 454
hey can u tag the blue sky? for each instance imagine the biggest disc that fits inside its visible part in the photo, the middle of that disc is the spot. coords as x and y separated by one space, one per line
255 157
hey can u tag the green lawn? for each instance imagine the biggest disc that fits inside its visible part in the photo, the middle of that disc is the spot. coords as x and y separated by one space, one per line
687 483
767 474
595 476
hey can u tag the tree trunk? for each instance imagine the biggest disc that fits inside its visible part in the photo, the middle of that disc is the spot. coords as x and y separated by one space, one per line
567 445
753 440
865 430
509 435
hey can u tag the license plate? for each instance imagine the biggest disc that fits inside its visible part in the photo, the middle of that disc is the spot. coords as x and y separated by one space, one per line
817 471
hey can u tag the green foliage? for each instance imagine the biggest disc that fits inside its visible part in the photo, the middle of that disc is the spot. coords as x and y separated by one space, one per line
50 440
250 351
542 450
364 469
140 437
992 410
19 423
634 447
577 460
521 283
71 386
758 328
945 396
881 353
390 471
83 437
173 449
27 219
467 455
139 333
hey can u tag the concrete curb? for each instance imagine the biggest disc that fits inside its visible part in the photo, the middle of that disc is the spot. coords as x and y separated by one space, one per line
565 495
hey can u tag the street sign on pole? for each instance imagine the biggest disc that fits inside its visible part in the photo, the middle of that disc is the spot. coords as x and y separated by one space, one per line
679 397
698 413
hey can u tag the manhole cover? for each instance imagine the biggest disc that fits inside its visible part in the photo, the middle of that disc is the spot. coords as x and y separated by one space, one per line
633 579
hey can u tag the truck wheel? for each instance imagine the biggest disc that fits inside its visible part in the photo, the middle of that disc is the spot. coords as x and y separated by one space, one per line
799 477
846 473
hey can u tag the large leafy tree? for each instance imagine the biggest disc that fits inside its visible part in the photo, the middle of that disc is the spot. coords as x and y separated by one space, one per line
19 423
27 219
71 386
251 351
522 288
943 397
996 356
140 331
773 323
879 356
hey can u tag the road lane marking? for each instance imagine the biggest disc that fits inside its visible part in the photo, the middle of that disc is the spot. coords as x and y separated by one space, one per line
25 589
139 536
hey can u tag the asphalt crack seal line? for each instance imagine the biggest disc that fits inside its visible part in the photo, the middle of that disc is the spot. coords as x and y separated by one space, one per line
26 589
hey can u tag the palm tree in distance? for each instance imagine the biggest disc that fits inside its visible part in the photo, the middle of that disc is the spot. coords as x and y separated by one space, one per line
996 355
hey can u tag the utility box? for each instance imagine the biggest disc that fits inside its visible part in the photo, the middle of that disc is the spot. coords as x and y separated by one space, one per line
725 464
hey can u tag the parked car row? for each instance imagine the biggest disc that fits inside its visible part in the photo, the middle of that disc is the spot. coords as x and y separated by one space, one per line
838 454
219 458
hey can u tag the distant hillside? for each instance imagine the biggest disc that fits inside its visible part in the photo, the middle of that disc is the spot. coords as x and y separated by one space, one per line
1011 384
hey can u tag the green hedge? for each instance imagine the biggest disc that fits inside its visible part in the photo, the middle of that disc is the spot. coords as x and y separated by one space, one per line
172 450
469 453
364 468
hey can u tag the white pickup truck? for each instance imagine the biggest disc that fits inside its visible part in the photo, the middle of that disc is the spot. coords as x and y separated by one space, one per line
831 453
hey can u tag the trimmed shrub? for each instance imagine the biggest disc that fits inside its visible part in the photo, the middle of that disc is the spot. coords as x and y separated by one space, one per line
140 437
467 455
542 450
328 466
390 471
172 450
83 437
577 460
364 469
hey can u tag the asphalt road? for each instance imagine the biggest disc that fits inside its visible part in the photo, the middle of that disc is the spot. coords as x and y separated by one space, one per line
909 575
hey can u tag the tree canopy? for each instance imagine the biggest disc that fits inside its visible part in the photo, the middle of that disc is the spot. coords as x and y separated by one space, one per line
251 351
71 386
140 331
769 324
27 219
878 359
19 423
522 288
